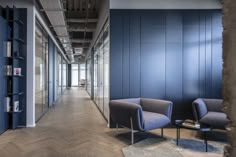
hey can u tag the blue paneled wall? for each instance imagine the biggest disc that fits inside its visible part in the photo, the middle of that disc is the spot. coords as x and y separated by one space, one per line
166 54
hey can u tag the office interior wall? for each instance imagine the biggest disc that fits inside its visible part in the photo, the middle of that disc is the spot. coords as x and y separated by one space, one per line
166 54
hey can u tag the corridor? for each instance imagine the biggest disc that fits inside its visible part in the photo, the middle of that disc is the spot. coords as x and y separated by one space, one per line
74 127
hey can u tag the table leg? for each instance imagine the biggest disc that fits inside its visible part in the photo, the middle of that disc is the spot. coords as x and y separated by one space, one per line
177 135
205 139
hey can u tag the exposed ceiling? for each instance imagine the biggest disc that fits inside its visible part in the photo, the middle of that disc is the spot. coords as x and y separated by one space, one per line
74 22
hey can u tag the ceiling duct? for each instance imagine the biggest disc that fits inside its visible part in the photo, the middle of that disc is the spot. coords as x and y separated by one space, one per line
55 13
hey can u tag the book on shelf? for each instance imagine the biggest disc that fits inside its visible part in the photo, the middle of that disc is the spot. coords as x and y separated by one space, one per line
191 123
7 104
8 70
16 106
8 48
17 71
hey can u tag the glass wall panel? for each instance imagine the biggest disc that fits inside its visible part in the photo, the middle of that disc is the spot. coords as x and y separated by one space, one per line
38 72
45 66
64 71
95 77
59 84
106 72
41 71
101 71
88 76
74 75
100 74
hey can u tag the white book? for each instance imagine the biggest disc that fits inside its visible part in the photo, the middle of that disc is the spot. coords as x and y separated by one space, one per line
7 104
8 49
16 106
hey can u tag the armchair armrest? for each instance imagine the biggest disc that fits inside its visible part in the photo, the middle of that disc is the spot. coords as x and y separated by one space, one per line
199 108
158 106
122 111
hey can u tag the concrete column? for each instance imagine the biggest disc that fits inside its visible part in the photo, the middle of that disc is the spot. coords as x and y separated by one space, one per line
229 71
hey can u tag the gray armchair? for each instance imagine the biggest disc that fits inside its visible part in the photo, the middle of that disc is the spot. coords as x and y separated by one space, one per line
209 112
141 114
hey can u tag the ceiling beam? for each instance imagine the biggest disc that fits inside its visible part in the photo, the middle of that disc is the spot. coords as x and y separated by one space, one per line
80 45
81 14
81 40
81 20
52 10
81 29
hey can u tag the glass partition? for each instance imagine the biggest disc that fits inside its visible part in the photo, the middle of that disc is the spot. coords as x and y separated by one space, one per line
88 76
64 72
101 71
41 71
59 75
106 71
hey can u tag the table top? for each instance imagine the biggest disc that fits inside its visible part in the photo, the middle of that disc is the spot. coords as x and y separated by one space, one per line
179 124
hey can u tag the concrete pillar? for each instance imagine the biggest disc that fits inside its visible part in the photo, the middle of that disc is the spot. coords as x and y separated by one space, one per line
229 71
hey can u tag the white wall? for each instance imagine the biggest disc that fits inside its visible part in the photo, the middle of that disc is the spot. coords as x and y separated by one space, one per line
165 4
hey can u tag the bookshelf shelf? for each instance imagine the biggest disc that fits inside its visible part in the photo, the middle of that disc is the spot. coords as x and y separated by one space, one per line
15 111
17 21
21 93
19 40
15 75
16 57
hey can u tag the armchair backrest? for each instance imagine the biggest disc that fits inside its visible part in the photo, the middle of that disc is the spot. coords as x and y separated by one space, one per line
158 106
215 105
122 110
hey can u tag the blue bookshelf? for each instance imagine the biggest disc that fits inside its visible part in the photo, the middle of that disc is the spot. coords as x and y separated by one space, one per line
14 57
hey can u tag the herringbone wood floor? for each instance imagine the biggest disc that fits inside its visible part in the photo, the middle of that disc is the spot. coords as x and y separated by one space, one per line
75 128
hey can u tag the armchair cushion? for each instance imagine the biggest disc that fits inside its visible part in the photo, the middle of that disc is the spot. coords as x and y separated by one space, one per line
215 119
154 120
